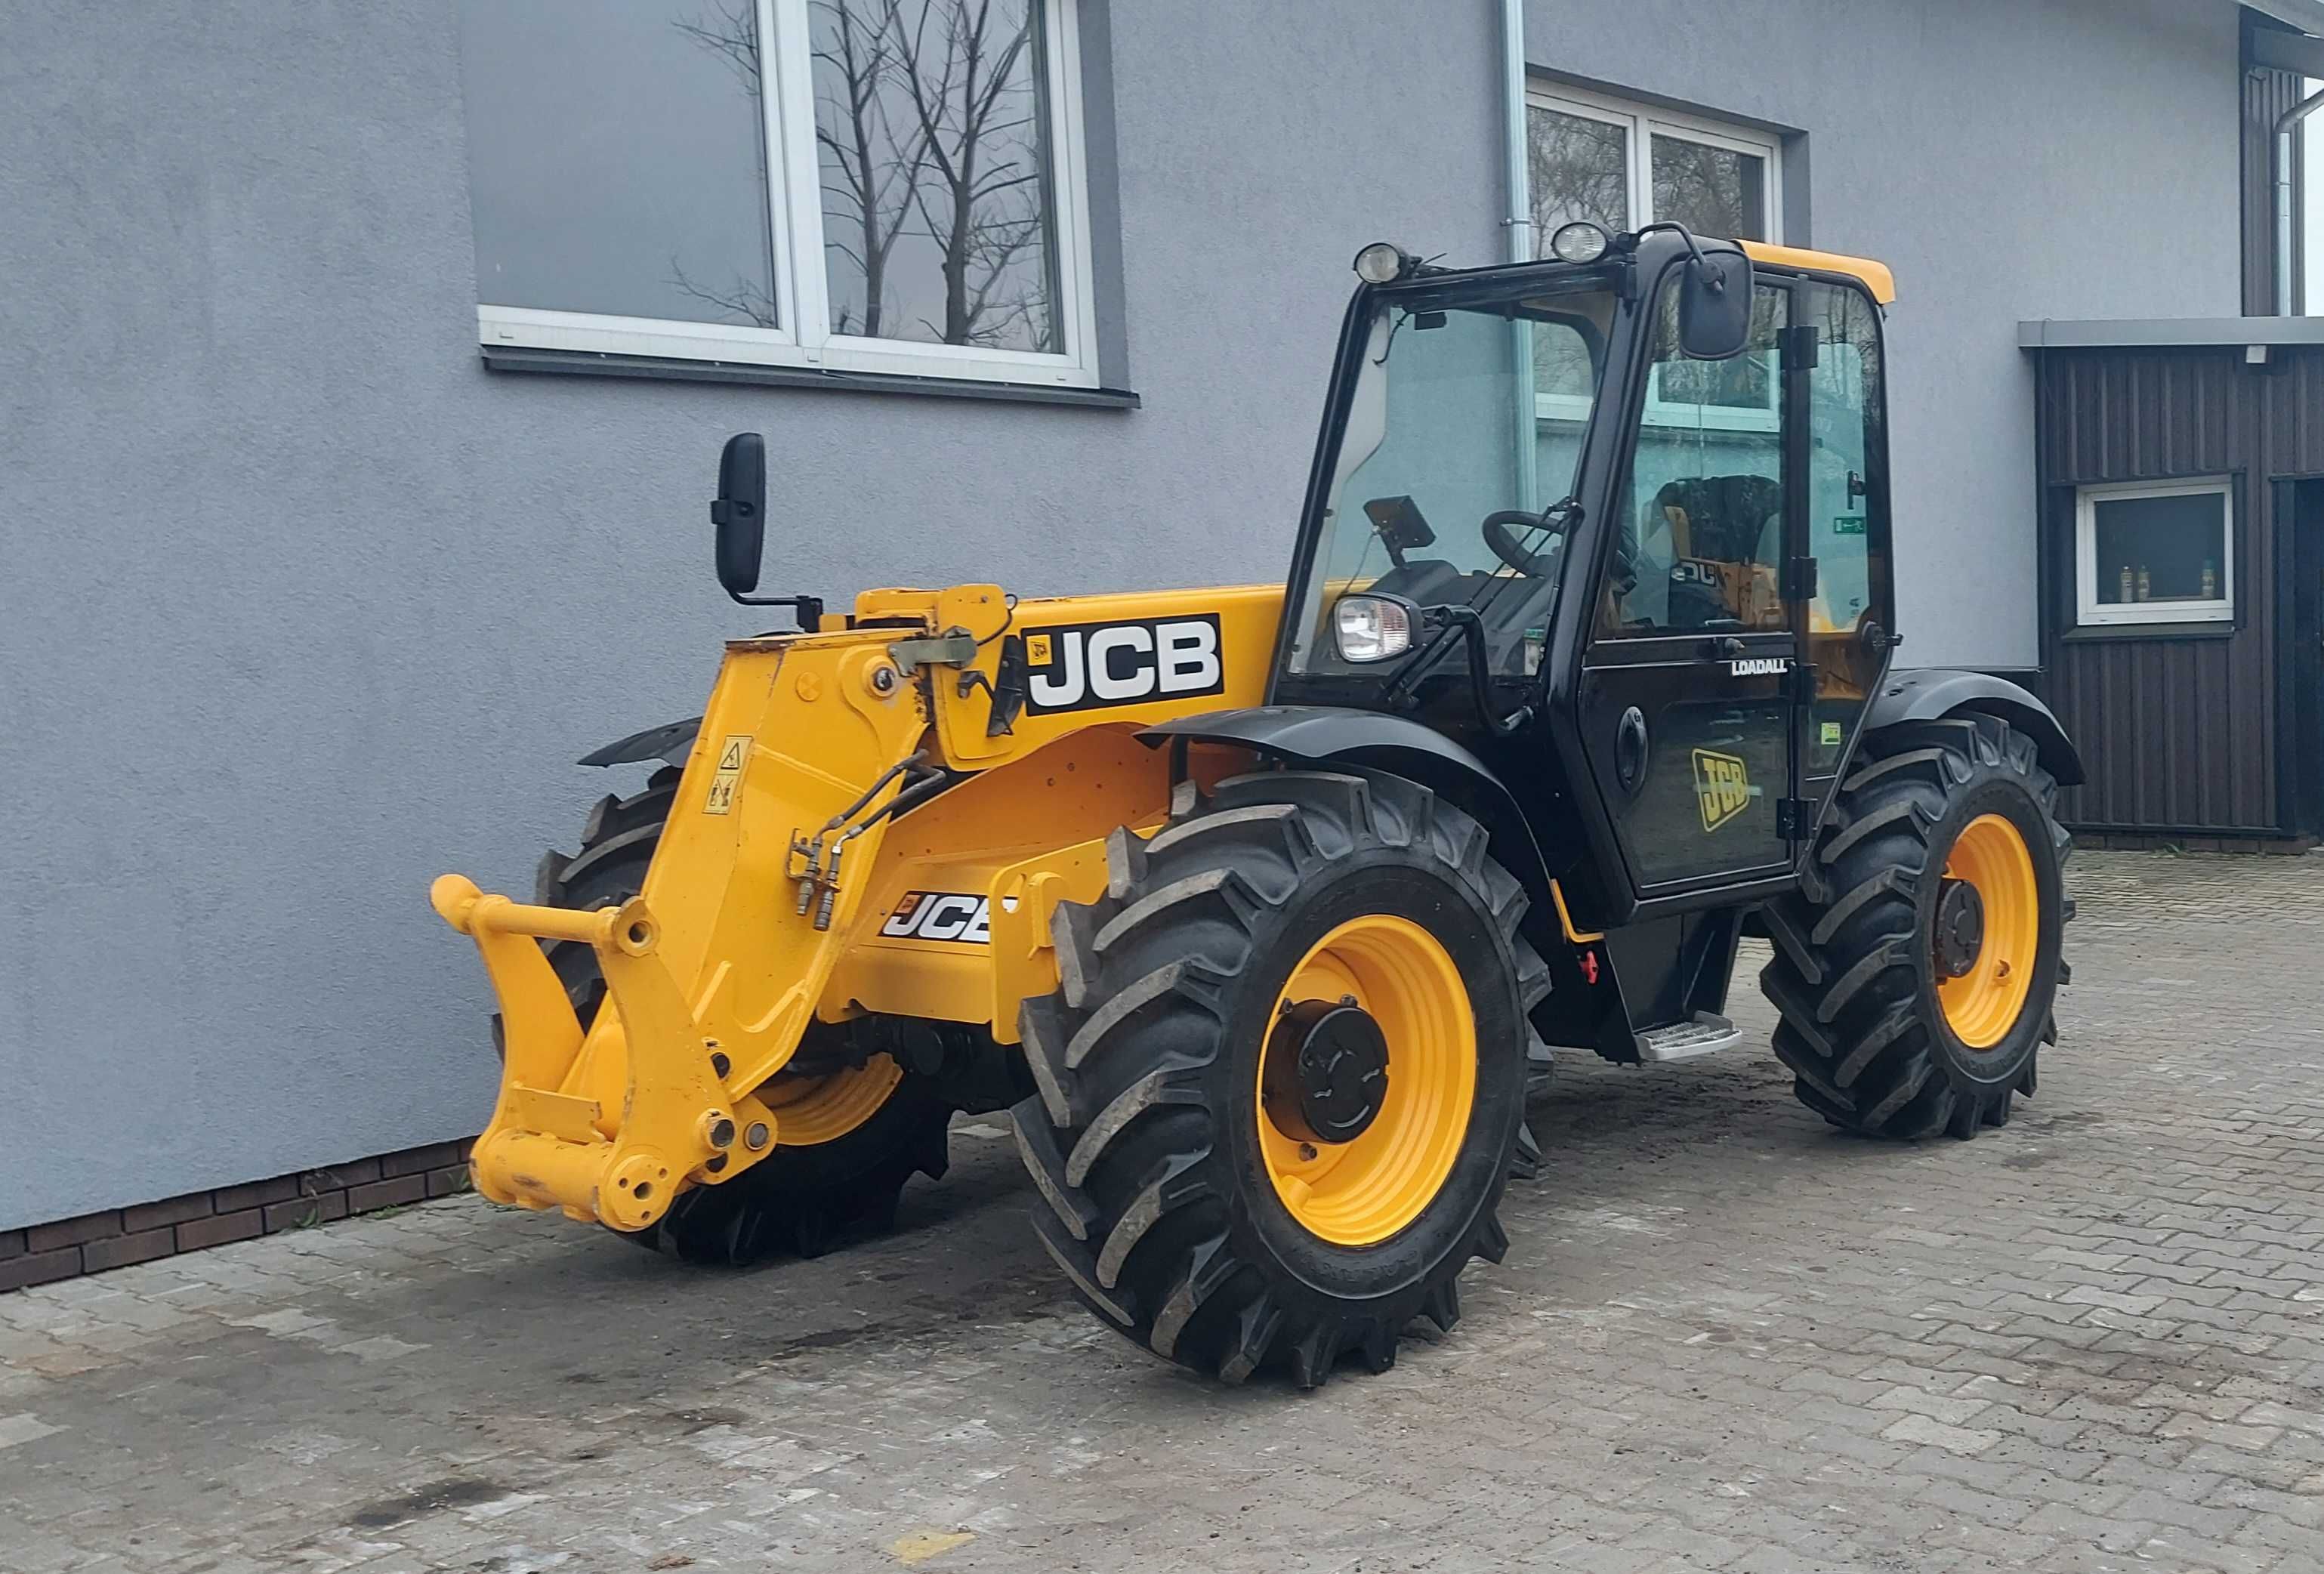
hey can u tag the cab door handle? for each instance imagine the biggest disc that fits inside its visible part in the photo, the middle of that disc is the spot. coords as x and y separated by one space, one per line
1630 749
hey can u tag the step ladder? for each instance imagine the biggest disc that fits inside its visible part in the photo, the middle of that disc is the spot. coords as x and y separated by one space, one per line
1707 1033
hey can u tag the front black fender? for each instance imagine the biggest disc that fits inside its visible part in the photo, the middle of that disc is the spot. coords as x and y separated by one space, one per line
670 742
1929 692
1339 735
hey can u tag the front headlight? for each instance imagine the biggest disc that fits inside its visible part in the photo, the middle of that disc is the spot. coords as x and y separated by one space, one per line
1372 627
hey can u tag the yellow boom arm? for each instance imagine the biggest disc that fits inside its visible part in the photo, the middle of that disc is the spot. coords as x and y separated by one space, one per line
779 867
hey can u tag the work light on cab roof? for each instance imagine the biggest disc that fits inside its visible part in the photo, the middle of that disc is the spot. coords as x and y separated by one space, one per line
1579 241
1385 262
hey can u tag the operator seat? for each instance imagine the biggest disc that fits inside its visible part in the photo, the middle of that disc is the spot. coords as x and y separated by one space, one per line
1735 522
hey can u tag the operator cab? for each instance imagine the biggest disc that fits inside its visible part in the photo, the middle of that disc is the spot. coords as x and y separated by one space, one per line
1617 521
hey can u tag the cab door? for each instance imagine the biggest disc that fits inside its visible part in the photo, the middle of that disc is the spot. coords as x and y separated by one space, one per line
1687 707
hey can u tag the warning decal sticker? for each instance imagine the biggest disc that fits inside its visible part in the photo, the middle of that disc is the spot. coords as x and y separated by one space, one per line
732 755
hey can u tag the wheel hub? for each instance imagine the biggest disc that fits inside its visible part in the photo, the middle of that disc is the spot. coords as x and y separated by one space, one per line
1326 1071
1961 928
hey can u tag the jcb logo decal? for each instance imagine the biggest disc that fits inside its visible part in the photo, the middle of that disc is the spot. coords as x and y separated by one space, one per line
1722 787
1085 666
954 916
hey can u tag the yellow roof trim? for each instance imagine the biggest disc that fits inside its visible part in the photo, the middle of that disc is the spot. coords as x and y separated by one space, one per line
1875 276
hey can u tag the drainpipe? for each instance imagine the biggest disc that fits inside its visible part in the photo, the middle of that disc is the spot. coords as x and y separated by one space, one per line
2286 126
1520 220
1518 224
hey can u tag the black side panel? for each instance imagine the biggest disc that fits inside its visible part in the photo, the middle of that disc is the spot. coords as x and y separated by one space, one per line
1673 967
2299 692
1315 734
1926 693
670 742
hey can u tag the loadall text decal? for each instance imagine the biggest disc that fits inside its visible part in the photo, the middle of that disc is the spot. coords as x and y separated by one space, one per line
954 915
1723 786
1087 667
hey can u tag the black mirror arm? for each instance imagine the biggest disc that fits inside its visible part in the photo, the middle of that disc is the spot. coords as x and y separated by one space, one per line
808 609
1461 621
1481 682
1416 667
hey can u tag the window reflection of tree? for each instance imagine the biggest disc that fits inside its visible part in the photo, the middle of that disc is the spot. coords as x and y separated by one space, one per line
1579 169
1712 191
731 32
931 132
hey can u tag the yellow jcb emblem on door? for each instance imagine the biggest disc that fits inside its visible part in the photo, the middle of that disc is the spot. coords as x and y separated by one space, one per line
1722 787
732 756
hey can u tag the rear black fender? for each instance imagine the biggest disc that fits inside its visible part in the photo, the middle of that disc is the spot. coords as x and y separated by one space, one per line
1329 734
670 742
1929 692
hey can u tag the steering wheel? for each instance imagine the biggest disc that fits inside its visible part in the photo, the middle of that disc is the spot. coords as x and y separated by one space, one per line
1500 528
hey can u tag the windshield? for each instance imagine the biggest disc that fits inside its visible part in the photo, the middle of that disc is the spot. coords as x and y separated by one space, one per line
1463 438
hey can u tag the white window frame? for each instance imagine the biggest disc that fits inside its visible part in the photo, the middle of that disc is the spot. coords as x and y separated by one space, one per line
1640 122
2089 611
802 295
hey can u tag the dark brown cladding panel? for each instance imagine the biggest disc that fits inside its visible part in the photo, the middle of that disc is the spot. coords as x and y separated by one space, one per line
2177 732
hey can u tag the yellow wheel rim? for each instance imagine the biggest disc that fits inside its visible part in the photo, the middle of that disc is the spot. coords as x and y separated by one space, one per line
1983 1004
1363 1191
811 1110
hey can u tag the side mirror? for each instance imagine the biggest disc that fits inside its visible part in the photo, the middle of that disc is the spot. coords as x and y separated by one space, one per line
740 513
1714 305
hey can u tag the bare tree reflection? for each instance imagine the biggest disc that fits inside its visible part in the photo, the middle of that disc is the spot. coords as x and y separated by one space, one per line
1579 170
731 32
931 135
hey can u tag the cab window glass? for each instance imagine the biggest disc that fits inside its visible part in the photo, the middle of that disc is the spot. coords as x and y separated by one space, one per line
1702 506
1848 526
1459 451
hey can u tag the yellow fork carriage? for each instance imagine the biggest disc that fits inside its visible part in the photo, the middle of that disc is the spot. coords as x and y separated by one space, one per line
785 887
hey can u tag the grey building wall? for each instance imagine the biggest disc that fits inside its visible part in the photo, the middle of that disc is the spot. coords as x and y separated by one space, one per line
2010 161
300 607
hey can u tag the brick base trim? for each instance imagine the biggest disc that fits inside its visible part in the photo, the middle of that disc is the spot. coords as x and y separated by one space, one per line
119 1236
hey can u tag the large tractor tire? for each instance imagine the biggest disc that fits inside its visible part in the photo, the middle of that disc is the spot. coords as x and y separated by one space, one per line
1281 1086
1916 969
847 1136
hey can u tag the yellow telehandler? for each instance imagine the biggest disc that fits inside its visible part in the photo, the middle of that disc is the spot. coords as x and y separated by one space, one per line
1262 907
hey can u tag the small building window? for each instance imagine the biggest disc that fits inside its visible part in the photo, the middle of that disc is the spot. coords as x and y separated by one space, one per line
2156 552
883 186
1625 166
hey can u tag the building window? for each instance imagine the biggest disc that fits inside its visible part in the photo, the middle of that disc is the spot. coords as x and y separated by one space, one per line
2156 552
1625 166
887 185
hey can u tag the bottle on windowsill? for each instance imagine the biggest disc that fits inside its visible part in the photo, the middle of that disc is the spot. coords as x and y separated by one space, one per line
2145 585
2129 586
2210 580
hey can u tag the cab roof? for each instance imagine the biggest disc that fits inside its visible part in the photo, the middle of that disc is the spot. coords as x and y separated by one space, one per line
1874 276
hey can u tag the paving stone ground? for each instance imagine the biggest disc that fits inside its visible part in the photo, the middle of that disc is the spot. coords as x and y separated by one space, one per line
1726 1338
